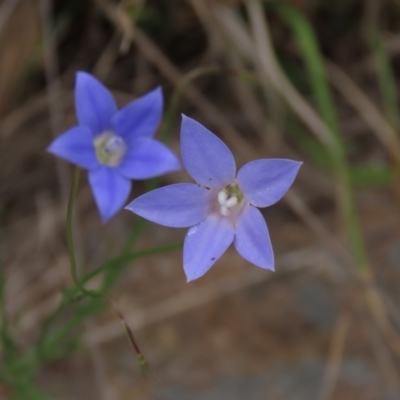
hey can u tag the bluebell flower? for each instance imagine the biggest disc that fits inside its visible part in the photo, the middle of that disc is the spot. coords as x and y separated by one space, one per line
221 207
114 145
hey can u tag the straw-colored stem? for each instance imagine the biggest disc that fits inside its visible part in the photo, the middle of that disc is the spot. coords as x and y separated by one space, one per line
328 138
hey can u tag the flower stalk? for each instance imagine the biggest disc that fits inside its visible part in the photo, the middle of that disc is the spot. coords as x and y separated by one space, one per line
70 236
69 228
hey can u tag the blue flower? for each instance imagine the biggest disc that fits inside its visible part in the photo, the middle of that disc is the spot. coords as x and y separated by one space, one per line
114 145
220 208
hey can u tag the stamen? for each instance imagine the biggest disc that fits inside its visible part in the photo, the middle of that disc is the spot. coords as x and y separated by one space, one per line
224 211
222 197
231 202
226 202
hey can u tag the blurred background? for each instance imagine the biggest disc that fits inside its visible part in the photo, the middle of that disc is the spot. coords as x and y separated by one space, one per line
311 80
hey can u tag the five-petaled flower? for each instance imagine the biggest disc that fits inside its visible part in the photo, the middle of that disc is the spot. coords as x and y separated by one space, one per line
114 145
220 208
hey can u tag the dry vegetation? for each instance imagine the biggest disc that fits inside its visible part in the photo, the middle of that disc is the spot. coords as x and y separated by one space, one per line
326 324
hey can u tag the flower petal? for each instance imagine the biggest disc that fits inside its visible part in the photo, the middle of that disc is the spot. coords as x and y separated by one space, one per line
76 146
110 190
94 104
146 158
205 243
178 206
140 117
264 182
206 158
252 238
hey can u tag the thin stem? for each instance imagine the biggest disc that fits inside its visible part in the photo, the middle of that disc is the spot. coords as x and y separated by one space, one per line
134 236
140 357
70 235
124 257
43 337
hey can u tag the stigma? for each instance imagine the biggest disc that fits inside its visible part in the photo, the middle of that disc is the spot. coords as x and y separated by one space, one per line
110 148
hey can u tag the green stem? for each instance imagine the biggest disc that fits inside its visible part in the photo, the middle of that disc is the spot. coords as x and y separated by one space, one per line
70 235
115 262
308 44
124 257
135 234
349 212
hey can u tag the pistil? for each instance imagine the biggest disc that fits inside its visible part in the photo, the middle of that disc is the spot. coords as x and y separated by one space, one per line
110 149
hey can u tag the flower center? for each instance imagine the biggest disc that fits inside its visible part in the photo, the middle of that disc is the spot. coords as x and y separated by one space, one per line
110 148
230 199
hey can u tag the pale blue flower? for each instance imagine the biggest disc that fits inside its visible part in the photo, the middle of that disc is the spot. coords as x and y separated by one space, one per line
114 145
221 207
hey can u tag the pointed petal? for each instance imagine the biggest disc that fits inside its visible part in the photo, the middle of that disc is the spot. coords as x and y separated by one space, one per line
94 104
76 146
206 158
204 244
110 190
178 206
264 182
252 238
140 117
146 158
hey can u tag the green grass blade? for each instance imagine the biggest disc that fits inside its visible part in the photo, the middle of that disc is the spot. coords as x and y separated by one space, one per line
387 83
307 42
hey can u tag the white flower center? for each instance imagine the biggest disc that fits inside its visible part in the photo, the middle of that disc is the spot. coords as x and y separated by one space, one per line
226 202
110 148
230 199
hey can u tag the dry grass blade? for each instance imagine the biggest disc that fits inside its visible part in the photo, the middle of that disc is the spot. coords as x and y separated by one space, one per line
107 59
228 132
251 107
297 205
379 313
200 295
263 50
151 51
17 49
387 366
19 117
368 112
372 10
335 355
54 91
215 42
155 55
239 86
6 10
104 389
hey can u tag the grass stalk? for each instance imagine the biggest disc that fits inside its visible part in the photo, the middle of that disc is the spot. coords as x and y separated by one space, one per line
326 128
